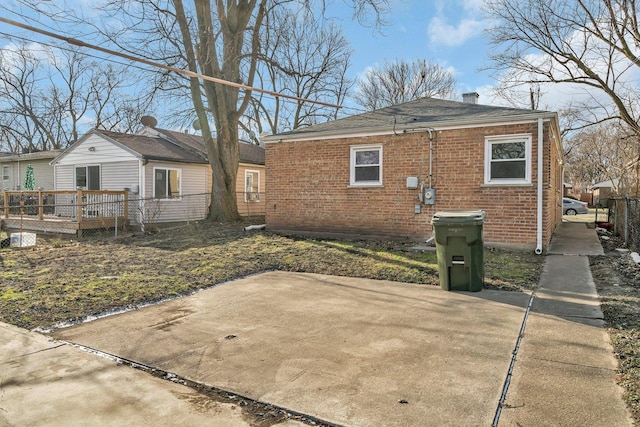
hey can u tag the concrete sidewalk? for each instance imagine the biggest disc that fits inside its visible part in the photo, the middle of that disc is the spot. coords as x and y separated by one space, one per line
48 383
565 374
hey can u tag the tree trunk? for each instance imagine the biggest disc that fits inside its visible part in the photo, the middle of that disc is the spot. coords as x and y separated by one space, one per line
224 159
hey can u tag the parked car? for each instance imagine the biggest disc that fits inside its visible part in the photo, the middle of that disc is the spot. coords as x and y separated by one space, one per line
573 207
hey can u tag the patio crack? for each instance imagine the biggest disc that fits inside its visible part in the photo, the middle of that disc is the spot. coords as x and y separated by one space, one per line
255 407
514 355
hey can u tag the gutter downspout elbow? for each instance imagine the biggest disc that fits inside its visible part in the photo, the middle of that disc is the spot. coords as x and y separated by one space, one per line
538 250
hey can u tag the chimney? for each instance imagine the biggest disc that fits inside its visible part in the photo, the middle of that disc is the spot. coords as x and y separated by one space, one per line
470 98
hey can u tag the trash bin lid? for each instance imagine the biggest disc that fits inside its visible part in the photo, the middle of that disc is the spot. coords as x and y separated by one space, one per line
466 217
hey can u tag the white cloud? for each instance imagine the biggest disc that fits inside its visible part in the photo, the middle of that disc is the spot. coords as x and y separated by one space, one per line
442 33
12 54
456 22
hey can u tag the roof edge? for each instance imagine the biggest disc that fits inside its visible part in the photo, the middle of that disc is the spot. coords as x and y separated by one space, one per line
414 127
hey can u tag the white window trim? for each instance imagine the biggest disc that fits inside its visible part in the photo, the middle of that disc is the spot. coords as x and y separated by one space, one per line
352 166
489 141
6 175
154 183
86 168
249 197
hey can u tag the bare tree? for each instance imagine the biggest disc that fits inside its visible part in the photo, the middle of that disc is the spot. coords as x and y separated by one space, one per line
603 152
48 97
402 81
588 43
303 57
217 38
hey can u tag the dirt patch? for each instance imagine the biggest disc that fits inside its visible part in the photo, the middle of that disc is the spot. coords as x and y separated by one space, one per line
617 278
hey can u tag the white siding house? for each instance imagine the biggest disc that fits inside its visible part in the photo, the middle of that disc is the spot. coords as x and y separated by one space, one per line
166 173
13 168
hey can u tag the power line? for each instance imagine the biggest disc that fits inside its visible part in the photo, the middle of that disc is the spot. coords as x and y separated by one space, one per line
188 73
67 49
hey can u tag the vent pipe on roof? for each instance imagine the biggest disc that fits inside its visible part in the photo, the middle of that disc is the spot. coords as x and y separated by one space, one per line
470 98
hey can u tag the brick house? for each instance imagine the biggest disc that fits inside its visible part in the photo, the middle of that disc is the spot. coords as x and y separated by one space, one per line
385 173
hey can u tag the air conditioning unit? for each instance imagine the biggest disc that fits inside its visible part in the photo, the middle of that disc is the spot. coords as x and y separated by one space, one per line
254 197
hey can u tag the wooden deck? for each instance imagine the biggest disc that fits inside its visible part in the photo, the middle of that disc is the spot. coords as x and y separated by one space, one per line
59 211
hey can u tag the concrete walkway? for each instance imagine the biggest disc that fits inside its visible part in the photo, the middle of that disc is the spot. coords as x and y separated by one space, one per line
565 373
48 383
356 352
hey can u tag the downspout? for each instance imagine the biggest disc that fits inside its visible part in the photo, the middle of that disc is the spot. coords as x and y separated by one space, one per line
141 169
538 250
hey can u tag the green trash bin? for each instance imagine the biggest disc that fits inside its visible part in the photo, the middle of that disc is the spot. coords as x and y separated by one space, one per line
458 236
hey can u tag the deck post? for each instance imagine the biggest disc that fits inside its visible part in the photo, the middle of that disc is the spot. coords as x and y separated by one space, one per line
40 205
126 207
6 204
79 206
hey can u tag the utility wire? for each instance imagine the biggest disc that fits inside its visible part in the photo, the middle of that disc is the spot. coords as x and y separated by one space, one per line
188 73
68 49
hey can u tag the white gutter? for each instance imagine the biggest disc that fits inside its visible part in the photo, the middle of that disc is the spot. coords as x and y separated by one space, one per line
538 250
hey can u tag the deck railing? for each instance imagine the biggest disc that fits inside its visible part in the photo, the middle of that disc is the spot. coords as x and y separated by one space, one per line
64 210
76 204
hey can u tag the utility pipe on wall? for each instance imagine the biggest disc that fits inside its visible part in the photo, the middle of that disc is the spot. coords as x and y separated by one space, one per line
538 250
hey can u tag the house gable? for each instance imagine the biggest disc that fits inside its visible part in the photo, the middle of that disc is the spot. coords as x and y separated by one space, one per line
95 147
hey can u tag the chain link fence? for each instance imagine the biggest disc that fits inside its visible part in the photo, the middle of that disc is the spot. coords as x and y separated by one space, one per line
83 214
624 214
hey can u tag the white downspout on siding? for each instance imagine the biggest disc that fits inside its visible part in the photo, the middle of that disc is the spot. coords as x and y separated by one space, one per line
538 250
141 192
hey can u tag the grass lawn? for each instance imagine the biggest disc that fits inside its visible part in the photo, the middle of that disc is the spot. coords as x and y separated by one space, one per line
64 281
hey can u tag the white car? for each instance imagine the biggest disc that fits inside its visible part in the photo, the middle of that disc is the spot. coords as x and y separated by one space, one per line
573 207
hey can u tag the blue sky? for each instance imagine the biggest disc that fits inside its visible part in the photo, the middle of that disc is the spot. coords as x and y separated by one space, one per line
448 32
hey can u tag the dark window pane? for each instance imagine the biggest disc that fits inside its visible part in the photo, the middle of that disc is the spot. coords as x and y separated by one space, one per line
160 184
93 178
368 173
81 177
511 150
511 169
368 157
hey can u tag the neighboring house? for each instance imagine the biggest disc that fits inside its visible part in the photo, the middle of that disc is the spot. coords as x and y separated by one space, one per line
602 191
166 173
385 173
14 166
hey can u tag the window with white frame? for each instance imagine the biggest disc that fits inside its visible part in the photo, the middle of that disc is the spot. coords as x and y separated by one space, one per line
88 177
251 186
507 159
5 173
366 165
166 183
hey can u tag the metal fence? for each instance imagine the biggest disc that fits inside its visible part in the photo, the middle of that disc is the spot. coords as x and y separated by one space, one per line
106 213
624 214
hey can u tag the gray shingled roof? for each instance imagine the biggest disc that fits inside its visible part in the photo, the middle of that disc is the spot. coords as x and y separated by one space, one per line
48 154
179 147
421 113
156 148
